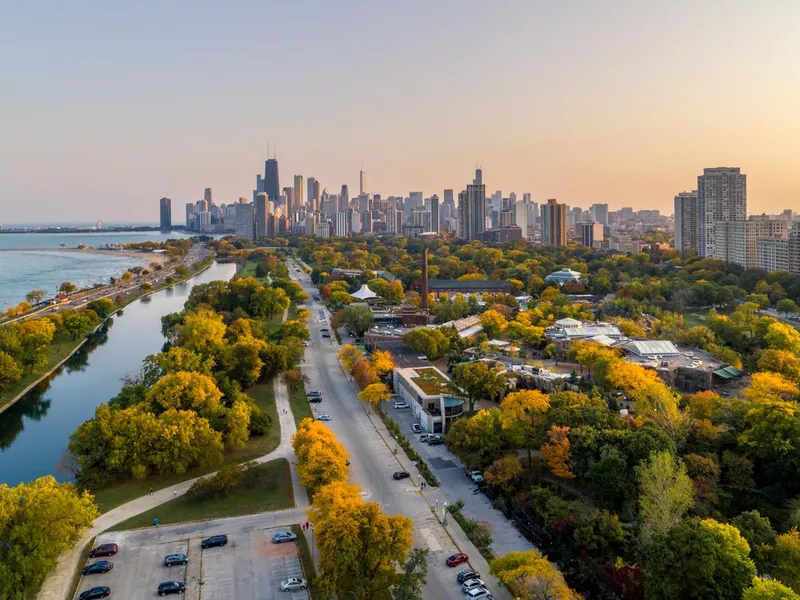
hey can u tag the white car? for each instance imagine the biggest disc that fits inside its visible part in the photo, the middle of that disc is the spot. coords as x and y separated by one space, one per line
293 584
478 593
324 418
400 405
471 584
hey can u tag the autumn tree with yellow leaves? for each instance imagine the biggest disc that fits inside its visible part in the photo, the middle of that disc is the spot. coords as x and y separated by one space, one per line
524 415
557 452
531 576
374 394
349 355
321 459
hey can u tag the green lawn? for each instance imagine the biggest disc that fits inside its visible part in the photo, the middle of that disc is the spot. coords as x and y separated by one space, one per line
694 320
264 396
301 408
273 491
249 270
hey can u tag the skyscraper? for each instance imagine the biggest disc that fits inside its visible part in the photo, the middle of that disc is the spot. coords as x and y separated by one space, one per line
721 196
344 198
362 182
299 196
472 209
291 207
165 204
554 223
520 210
686 225
208 197
271 180
313 193
591 234
599 213
435 213
261 215
244 221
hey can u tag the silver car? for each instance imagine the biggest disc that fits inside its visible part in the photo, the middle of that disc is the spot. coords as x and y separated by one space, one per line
292 584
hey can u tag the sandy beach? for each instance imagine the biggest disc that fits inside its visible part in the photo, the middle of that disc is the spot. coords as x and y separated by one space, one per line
153 257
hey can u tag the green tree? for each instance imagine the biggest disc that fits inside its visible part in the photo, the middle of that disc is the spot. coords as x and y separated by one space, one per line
523 416
665 493
39 521
785 306
356 319
67 287
760 535
35 338
768 589
414 575
76 324
609 478
786 559
431 342
35 296
697 560
296 329
102 306
242 361
10 371
476 381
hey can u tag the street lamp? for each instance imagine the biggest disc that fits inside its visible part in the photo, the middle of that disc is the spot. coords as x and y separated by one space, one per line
395 444
444 515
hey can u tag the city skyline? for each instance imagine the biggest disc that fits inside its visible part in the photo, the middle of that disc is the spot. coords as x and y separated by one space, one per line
585 105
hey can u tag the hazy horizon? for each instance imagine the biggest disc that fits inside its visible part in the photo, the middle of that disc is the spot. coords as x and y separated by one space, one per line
107 108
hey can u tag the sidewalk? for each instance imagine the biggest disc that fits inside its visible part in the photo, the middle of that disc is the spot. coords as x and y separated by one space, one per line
57 584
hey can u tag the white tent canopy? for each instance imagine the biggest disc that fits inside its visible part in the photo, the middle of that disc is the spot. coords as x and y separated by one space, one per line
364 293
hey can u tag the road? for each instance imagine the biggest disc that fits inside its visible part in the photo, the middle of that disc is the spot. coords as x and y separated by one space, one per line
372 460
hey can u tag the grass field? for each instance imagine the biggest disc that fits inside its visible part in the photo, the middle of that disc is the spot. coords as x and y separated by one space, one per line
694 320
264 396
273 491
301 408
249 270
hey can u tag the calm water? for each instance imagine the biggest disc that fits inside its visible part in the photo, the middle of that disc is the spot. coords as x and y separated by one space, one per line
35 431
21 272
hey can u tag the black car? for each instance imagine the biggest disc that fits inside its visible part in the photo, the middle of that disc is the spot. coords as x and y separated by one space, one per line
100 591
101 566
315 399
401 475
214 540
466 575
175 559
171 587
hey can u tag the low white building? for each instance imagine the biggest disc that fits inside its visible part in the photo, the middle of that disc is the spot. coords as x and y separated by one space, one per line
426 390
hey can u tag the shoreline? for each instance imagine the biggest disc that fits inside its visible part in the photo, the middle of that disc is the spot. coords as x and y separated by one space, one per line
80 344
150 257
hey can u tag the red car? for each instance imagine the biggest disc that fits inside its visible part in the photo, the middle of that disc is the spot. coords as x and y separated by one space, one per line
456 559
104 550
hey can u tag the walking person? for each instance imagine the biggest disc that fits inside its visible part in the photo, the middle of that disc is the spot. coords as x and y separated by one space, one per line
151 492
174 493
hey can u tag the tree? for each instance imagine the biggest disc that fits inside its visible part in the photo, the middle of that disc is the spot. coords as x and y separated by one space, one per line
35 296
431 342
243 361
294 379
782 362
665 493
531 576
770 387
180 359
185 391
349 355
10 371
782 336
321 459
414 576
760 535
697 560
102 306
557 453
357 319
364 374
478 440
67 287
493 323
360 547
769 589
785 306
35 338
786 559
599 533
772 430
524 416
504 473
237 425
374 394
203 333
382 362
609 478
476 381
296 329
39 521
76 324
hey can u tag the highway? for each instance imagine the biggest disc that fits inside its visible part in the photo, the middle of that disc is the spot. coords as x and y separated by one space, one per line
372 461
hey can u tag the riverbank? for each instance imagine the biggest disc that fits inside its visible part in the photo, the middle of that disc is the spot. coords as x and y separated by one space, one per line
62 350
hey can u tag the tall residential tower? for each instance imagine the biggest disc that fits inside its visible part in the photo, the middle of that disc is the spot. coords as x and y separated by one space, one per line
721 196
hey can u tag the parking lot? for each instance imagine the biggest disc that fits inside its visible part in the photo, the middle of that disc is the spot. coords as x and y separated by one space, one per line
250 566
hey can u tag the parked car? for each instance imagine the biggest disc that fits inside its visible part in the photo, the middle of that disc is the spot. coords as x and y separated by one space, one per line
214 540
471 584
325 334
324 418
416 428
101 591
466 575
104 550
424 437
401 475
315 399
101 566
456 559
293 583
283 536
476 476
480 593
400 404
171 587
313 393
434 440
170 560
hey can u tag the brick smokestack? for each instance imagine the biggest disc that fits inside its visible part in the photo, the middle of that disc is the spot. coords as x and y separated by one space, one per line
424 299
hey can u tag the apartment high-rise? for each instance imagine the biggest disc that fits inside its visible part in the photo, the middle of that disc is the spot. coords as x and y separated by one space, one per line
261 215
165 206
591 234
272 185
554 223
244 221
686 223
721 196
794 249
435 220
394 221
472 209
299 196
362 182
599 213
189 215
735 241
520 219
